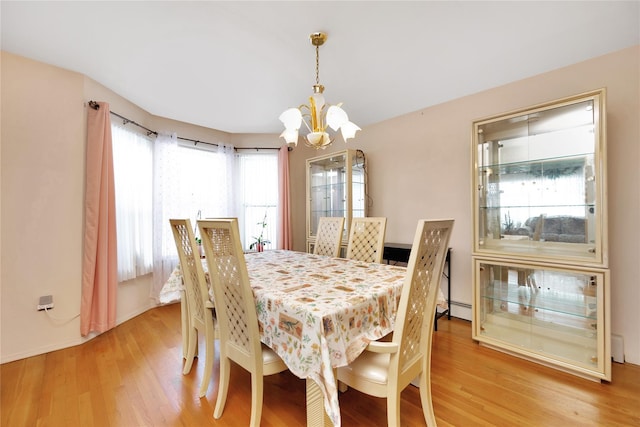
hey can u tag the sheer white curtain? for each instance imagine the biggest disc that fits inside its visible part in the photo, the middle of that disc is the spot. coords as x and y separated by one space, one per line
133 163
165 205
257 186
188 182
206 181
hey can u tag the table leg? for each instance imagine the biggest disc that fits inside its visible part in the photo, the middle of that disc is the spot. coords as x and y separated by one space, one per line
316 415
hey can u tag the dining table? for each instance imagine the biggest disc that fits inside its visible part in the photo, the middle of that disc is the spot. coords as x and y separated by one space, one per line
317 313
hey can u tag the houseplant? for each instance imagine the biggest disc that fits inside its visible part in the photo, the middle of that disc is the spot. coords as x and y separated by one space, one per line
260 241
200 248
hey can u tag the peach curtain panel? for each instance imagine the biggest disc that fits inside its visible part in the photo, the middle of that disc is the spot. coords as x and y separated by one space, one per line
99 264
285 239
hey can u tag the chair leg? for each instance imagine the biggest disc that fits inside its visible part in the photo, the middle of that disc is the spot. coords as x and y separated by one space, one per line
184 317
393 408
425 399
256 399
223 385
208 367
191 351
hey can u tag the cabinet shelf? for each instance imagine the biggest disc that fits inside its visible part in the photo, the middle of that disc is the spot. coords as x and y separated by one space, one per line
530 301
322 187
326 187
548 167
537 207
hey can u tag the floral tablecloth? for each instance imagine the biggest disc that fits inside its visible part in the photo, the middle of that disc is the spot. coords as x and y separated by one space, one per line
318 313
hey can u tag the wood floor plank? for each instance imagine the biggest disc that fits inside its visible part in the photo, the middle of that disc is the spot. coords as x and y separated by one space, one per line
19 390
132 376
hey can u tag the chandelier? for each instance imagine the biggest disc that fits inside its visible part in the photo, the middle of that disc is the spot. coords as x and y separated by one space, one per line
317 116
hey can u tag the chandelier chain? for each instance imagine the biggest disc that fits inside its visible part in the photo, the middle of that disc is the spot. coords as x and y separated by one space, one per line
317 65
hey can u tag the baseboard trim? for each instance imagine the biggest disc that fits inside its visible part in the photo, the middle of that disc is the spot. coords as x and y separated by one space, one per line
74 342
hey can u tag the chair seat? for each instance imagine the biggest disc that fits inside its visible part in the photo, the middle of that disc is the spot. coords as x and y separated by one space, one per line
373 367
271 361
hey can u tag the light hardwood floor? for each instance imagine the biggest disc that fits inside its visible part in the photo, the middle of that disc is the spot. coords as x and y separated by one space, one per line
131 376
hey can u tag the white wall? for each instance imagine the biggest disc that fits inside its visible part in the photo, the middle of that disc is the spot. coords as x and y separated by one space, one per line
43 147
42 210
41 205
419 167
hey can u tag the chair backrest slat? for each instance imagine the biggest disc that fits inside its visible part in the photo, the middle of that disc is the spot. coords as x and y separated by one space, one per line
366 239
329 236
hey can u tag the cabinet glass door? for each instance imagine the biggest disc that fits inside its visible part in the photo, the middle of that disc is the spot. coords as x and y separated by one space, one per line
358 186
544 311
536 189
328 189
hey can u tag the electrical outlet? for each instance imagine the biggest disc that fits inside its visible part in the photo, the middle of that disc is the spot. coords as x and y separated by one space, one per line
45 302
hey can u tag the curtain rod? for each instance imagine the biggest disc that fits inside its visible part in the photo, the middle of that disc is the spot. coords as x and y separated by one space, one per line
96 106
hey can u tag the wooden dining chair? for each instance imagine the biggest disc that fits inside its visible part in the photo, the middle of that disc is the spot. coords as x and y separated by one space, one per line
366 239
236 313
329 236
200 310
384 369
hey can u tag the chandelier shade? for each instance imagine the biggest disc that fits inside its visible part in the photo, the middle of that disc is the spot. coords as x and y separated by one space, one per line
317 116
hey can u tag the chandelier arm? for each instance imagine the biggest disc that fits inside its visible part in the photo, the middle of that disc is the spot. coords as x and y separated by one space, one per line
303 107
307 124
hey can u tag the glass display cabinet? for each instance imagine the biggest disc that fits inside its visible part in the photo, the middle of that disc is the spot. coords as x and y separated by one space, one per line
336 186
541 278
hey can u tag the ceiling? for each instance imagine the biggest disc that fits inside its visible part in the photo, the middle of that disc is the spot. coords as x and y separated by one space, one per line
235 66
